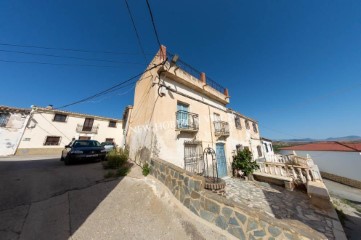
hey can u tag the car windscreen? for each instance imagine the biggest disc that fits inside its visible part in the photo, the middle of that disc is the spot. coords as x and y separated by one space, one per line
80 144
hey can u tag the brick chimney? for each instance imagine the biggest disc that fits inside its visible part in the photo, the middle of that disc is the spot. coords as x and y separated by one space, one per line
203 77
163 52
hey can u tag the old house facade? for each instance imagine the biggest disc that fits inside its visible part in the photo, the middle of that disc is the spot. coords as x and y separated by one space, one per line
49 130
12 125
178 112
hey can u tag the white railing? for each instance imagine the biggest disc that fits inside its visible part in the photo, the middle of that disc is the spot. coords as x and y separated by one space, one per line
299 174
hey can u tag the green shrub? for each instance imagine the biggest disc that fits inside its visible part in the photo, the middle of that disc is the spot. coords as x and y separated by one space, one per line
116 159
109 174
243 161
146 169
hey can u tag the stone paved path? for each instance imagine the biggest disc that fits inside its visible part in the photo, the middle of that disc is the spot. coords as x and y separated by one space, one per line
282 204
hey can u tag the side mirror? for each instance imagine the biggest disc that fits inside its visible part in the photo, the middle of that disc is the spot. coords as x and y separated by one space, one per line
67 146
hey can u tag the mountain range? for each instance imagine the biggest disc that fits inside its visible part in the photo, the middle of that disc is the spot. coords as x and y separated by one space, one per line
343 139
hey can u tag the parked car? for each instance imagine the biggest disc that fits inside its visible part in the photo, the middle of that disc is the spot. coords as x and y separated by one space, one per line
80 150
108 146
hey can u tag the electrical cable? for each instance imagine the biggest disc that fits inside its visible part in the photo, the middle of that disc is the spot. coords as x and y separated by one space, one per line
154 28
136 31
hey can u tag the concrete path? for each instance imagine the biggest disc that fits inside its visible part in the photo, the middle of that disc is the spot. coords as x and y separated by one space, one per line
43 199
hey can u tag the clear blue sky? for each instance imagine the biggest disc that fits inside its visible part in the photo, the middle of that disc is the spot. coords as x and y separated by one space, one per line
295 66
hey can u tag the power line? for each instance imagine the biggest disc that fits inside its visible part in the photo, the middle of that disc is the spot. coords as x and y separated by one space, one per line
66 49
154 28
136 31
63 56
59 64
108 90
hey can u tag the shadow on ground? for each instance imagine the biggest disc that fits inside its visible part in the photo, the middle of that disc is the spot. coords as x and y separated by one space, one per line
43 199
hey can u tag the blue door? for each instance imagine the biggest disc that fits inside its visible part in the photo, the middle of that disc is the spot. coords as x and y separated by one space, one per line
221 160
182 115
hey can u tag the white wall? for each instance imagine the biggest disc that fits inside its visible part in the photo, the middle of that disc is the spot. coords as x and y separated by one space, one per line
42 125
344 164
11 134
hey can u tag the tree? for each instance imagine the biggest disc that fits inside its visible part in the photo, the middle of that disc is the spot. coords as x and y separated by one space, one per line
243 161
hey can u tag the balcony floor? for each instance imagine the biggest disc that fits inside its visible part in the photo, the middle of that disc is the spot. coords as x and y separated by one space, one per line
292 207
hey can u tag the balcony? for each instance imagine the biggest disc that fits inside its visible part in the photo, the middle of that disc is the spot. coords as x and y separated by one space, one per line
221 128
80 128
187 121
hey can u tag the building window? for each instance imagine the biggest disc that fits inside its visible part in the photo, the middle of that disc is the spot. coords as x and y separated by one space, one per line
255 127
266 147
239 147
112 124
84 138
237 122
60 117
109 140
88 124
259 150
247 124
4 118
51 140
270 146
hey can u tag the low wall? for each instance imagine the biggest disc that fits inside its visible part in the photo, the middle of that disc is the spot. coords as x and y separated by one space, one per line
242 222
38 151
343 180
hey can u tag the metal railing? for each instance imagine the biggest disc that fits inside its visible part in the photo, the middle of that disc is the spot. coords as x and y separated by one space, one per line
213 84
82 128
187 121
221 128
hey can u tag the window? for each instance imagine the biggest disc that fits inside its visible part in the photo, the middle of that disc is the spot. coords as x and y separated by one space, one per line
88 124
109 140
259 150
255 127
84 138
265 146
4 118
270 147
183 119
237 122
112 124
239 147
247 124
60 117
51 140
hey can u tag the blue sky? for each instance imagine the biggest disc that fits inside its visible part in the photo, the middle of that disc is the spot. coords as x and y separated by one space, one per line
295 66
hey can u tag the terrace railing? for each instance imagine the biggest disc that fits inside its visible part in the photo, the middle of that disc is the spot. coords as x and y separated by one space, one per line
221 128
187 121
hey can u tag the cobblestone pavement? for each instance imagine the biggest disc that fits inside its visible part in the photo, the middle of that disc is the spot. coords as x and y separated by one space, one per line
282 204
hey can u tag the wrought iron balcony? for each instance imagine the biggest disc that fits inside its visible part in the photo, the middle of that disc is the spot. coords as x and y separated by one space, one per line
187 121
80 128
221 128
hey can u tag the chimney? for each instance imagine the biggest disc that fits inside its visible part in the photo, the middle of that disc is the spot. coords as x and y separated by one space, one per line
50 107
203 77
226 92
163 52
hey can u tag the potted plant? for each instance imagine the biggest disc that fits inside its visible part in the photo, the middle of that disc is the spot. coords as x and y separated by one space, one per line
243 164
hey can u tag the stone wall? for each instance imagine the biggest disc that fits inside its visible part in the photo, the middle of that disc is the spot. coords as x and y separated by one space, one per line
343 180
242 222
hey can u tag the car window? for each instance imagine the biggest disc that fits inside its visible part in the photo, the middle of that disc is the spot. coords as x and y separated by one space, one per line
86 143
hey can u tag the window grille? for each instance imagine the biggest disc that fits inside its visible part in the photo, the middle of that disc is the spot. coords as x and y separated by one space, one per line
51 140
60 117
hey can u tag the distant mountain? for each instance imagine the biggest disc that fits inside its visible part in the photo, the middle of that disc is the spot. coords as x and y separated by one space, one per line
345 138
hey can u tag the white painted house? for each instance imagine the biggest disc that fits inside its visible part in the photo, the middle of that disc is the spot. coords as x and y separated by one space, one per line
49 130
337 161
12 126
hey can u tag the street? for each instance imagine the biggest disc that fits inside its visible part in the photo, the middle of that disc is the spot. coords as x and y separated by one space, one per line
43 199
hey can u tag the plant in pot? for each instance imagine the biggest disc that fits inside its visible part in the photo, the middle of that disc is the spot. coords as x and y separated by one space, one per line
243 164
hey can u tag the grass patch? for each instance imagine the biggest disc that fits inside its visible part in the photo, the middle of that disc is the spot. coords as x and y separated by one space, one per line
146 169
117 161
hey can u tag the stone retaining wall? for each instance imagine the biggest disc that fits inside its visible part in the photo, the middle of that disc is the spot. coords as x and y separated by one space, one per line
242 222
343 180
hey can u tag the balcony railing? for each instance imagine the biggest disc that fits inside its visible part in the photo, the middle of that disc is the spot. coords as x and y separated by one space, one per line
187 121
221 128
85 129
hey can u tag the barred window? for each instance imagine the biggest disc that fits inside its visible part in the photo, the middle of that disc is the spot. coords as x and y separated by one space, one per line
52 140
259 150
4 118
255 127
247 124
109 140
60 117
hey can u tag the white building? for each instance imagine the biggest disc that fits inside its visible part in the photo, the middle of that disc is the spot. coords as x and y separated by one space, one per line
337 161
12 126
267 148
49 130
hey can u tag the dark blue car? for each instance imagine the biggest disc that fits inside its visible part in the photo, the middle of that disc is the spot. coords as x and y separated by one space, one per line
83 150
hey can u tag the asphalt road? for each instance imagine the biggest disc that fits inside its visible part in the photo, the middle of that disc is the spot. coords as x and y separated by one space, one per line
40 198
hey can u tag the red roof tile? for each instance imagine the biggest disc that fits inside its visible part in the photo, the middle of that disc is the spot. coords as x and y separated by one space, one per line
327 146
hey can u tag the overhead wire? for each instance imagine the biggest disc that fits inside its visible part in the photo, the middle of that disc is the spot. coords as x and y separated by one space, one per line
136 31
154 27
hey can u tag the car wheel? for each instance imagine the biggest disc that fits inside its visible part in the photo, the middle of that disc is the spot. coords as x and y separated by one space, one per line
67 161
62 158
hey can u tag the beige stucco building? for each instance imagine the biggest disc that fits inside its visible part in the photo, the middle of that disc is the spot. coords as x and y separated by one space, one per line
49 130
178 112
